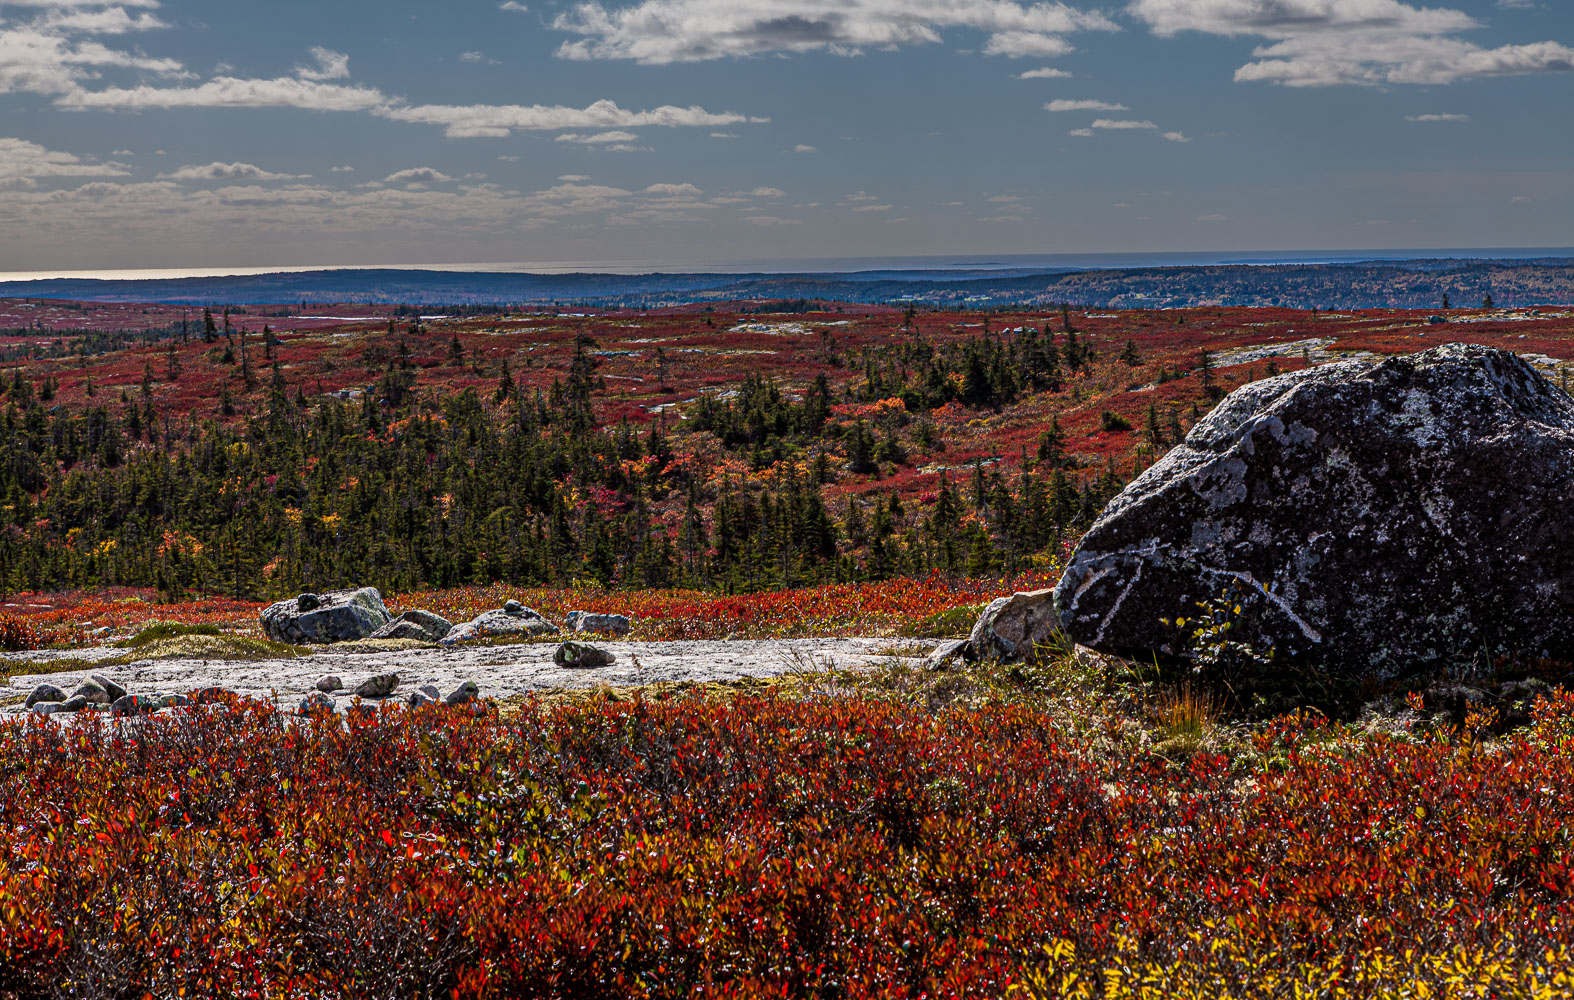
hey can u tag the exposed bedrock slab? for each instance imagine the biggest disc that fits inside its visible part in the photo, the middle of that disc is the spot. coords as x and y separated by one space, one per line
1375 520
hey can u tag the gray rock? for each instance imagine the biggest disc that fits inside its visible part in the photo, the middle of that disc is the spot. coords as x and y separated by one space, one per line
579 654
131 704
46 707
947 653
75 703
431 691
316 703
329 683
92 692
500 625
512 607
586 621
419 698
1014 628
334 617
115 691
46 693
380 686
210 696
422 625
1373 520
464 694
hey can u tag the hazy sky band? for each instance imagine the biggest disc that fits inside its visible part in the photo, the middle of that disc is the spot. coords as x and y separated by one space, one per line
149 134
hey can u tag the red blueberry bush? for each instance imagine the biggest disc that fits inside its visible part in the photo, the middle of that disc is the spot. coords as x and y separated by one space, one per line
773 846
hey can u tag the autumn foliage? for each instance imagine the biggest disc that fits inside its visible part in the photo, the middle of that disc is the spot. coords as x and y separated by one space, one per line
778 846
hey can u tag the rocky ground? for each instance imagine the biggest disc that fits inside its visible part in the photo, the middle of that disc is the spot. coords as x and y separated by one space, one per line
499 671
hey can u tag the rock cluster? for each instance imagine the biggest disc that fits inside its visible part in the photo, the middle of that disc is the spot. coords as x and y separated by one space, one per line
1371 520
511 621
99 693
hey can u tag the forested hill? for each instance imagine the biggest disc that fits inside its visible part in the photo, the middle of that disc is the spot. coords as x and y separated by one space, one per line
1417 284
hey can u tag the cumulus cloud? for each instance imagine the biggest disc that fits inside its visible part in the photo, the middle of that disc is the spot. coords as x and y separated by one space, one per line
58 50
1047 73
668 31
482 120
331 65
228 172
1063 105
1320 43
674 190
418 175
1122 123
768 192
1437 118
598 138
805 148
1176 137
1081 132
24 164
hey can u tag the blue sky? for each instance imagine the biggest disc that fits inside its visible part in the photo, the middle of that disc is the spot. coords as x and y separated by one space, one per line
170 133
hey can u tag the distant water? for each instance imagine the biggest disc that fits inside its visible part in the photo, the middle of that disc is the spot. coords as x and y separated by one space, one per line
843 265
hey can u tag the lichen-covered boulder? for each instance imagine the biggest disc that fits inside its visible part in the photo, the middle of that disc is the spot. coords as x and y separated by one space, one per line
1371 520
603 624
500 624
339 616
415 624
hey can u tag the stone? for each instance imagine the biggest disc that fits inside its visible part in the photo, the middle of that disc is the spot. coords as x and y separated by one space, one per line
45 693
131 704
585 621
115 691
1372 520
464 694
93 692
316 703
512 607
339 616
380 686
431 691
579 654
1014 628
329 683
422 625
75 703
947 653
46 707
418 699
211 696
500 625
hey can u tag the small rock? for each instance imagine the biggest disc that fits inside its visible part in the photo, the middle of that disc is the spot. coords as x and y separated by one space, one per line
210 695
329 683
430 690
945 654
464 694
115 691
46 707
46 693
75 703
380 686
130 704
419 699
308 602
92 693
316 703
514 608
585 621
579 654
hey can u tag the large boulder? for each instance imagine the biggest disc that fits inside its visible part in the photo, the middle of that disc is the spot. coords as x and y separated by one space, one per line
1012 628
1370 520
590 621
338 616
422 625
501 624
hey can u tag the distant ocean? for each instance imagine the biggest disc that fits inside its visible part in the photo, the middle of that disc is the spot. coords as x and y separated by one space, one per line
1025 263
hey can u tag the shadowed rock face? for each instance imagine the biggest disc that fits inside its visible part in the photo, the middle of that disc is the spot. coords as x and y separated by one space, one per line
322 618
1376 520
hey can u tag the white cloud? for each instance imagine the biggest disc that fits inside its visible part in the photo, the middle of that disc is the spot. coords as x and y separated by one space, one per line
861 196
231 92
331 65
805 148
1177 137
24 163
1047 73
1437 118
499 120
723 135
1081 132
598 138
770 220
1121 123
673 190
768 192
418 175
346 169
667 31
228 172
1065 105
872 208
478 57
574 178
514 6
1320 43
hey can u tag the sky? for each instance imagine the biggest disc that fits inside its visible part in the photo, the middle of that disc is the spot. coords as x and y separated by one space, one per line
172 133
